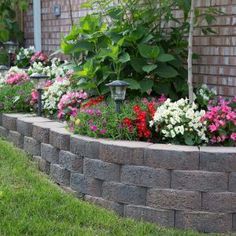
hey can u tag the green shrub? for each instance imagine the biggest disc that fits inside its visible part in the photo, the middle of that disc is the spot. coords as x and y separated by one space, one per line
15 98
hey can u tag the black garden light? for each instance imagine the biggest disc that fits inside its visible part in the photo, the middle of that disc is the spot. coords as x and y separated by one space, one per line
11 48
118 92
40 80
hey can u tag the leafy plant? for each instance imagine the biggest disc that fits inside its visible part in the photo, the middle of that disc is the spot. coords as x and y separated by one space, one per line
16 98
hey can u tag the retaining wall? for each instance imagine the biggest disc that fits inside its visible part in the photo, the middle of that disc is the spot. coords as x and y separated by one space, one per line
173 186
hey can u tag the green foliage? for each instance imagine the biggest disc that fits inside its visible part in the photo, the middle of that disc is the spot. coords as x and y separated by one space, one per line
15 98
9 28
132 41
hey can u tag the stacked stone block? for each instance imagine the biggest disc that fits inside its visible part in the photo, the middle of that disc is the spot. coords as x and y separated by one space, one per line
173 186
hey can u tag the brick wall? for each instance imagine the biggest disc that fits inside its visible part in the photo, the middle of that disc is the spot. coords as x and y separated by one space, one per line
216 66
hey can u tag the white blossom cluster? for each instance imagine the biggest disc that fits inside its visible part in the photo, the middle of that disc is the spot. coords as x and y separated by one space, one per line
53 94
53 71
179 118
205 93
25 53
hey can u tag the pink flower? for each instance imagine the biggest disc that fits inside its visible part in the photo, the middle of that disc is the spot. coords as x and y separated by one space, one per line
213 128
233 136
103 131
17 78
39 57
34 97
94 128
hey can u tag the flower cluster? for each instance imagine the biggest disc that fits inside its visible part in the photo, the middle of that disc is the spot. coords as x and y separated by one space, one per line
53 93
24 56
180 122
93 101
34 97
221 122
39 57
17 78
69 104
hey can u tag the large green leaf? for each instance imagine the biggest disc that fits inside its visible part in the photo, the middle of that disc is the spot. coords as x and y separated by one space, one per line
165 58
148 51
146 85
149 68
125 57
133 84
138 64
166 71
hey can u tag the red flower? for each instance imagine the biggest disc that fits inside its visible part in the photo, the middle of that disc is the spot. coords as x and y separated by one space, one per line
93 101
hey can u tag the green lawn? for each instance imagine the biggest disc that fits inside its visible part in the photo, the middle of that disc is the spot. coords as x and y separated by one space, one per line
32 205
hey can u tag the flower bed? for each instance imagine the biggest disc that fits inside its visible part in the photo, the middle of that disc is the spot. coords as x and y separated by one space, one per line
173 186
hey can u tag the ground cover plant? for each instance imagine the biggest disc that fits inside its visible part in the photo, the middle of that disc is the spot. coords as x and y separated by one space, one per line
32 205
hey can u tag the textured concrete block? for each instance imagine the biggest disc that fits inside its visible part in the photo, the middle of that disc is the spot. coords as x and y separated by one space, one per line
59 174
42 164
232 182
71 161
219 202
24 128
60 138
204 221
145 176
172 157
32 146
159 216
9 121
114 206
3 132
87 185
40 132
199 180
16 138
0 119
101 170
49 153
84 146
173 199
123 193
122 152
218 159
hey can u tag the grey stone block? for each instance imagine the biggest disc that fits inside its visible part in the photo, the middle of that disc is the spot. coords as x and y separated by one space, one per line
71 161
123 193
16 138
1 119
159 216
42 164
199 180
60 138
40 132
101 170
232 182
145 176
219 202
114 206
24 128
49 153
84 146
172 157
9 122
174 199
32 146
204 221
84 185
59 174
3 132
218 159
122 152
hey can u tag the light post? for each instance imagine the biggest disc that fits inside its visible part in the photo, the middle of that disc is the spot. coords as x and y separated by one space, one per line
118 92
3 70
40 80
11 48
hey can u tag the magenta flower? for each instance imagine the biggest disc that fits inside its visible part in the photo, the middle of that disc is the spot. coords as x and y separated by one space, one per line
94 128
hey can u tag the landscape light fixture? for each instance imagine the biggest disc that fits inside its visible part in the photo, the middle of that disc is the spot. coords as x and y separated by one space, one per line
39 80
11 47
118 92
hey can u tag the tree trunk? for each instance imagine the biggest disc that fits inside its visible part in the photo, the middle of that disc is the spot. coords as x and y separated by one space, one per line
190 53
